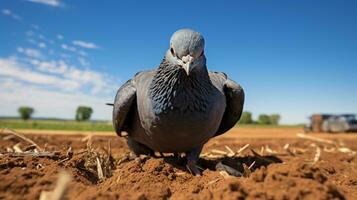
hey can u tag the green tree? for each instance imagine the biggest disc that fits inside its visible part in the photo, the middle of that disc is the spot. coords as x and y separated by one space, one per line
274 119
83 113
264 119
25 112
246 118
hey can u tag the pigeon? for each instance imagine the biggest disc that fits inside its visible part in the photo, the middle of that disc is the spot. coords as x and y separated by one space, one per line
178 106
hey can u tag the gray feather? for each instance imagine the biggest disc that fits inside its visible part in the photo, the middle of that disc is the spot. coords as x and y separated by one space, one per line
123 102
234 101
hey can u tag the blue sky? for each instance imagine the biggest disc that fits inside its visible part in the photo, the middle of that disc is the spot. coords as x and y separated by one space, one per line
292 57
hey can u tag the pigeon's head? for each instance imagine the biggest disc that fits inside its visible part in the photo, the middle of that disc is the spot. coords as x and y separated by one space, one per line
187 50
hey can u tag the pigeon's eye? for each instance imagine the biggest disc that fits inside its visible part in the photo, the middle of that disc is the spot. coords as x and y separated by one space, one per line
172 51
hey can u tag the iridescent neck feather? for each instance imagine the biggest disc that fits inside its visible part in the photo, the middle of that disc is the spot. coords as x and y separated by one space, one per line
172 90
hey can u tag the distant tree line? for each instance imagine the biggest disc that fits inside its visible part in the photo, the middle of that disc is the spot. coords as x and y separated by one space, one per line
272 119
83 113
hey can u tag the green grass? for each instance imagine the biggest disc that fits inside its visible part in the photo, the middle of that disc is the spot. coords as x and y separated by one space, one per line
56 125
268 126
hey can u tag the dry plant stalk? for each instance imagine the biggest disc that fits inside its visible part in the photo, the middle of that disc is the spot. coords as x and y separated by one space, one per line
230 151
24 138
242 149
60 189
17 148
317 154
215 156
213 181
218 152
99 170
98 162
68 152
269 150
346 150
86 138
9 150
180 173
287 149
251 165
8 137
33 154
225 174
204 154
230 170
286 146
262 149
316 139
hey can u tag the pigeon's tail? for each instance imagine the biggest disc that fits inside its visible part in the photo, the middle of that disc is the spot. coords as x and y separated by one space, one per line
109 104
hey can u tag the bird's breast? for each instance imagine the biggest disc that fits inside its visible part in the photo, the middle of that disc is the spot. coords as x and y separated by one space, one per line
185 125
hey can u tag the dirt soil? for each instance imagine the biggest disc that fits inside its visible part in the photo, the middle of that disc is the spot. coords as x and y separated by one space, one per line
276 165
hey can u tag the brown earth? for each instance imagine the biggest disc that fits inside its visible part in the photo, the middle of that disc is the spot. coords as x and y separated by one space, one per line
304 169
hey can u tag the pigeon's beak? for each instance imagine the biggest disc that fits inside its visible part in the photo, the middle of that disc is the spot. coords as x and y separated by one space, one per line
186 67
187 60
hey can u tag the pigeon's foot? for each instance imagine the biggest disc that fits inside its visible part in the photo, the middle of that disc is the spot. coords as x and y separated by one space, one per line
138 148
192 167
192 158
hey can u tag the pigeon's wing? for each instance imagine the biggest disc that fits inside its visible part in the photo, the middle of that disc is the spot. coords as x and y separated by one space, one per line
123 103
234 101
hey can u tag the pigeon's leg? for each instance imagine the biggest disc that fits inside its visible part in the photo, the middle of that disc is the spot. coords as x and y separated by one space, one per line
177 155
192 158
138 149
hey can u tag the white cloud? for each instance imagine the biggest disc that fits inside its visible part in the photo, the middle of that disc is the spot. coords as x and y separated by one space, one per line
98 82
11 14
42 45
54 3
49 103
60 37
6 12
57 74
21 85
83 61
83 44
69 48
11 68
33 53
55 67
